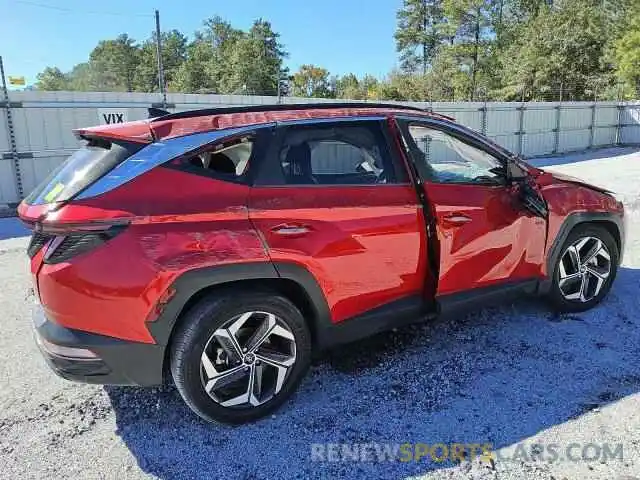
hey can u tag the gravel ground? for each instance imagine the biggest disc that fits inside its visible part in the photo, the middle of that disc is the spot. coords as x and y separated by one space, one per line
510 376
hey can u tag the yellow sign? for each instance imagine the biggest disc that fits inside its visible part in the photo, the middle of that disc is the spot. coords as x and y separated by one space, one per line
16 80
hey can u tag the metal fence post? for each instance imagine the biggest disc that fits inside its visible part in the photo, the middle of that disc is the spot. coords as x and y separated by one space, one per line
483 117
6 104
520 131
556 130
592 126
619 125
619 119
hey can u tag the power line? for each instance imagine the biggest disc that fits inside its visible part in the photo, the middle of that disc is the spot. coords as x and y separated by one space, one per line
75 10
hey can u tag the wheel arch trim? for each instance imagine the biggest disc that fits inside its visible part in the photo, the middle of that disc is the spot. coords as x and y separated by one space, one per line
190 283
571 222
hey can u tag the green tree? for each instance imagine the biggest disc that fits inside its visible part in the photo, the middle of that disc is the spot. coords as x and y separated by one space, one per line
419 33
409 86
115 62
524 10
52 78
311 81
83 78
561 49
369 85
348 87
449 50
174 52
627 53
256 62
447 80
193 75
388 89
222 59
215 47
473 24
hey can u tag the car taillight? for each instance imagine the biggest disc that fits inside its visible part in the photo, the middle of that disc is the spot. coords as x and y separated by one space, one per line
38 240
64 247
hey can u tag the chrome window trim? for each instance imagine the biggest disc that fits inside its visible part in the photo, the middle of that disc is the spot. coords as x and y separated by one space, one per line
158 153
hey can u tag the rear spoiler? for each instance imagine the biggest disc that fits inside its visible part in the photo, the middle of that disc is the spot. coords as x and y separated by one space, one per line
136 132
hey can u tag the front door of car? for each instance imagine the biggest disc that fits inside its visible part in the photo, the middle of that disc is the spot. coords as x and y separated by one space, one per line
484 237
332 197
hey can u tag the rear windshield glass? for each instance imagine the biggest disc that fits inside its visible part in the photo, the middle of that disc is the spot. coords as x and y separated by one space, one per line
84 167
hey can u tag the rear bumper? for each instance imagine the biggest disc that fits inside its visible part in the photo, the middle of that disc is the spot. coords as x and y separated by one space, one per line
90 358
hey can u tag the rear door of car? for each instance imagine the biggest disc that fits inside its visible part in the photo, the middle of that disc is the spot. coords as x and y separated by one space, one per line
334 197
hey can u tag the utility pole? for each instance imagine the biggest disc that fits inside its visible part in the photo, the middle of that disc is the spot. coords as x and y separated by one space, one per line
160 66
11 132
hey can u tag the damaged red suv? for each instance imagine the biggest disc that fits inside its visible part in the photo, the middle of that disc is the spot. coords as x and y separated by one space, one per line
222 247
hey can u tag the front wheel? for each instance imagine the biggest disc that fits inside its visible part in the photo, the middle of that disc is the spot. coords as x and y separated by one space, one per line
585 269
237 357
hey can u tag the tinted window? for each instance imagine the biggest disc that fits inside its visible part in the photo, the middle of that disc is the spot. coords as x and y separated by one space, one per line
336 154
449 159
84 167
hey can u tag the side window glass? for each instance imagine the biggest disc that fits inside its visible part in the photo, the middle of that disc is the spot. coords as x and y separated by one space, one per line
335 154
227 158
450 160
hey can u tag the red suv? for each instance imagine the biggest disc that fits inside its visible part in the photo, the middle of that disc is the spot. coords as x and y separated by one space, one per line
224 246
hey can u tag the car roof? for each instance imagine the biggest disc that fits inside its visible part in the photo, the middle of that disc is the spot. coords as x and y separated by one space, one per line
284 107
195 121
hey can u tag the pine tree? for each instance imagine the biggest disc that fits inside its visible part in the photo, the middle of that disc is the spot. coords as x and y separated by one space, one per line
419 33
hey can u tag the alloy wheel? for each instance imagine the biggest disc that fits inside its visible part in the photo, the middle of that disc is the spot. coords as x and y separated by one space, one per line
246 361
584 268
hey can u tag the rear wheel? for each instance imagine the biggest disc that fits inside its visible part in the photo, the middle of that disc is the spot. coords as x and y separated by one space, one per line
237 357
585 270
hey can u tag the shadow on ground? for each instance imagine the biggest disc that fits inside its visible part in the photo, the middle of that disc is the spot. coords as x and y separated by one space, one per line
498 376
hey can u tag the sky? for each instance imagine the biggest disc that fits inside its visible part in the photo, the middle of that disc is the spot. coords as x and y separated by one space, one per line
340 35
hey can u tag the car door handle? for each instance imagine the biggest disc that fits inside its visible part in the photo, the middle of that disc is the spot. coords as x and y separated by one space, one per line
289 230
456 219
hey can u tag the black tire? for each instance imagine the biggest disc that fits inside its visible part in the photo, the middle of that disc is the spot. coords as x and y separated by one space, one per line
199 324
586 230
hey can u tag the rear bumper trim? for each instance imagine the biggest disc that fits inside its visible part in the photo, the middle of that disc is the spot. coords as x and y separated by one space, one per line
116 361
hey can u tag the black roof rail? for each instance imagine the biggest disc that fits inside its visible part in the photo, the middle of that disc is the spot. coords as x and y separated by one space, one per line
283 106
156 112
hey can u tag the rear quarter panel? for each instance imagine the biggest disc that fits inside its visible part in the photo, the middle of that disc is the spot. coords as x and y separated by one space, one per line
179 221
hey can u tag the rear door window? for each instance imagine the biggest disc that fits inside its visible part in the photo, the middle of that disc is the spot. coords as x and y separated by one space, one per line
87 165
340 153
